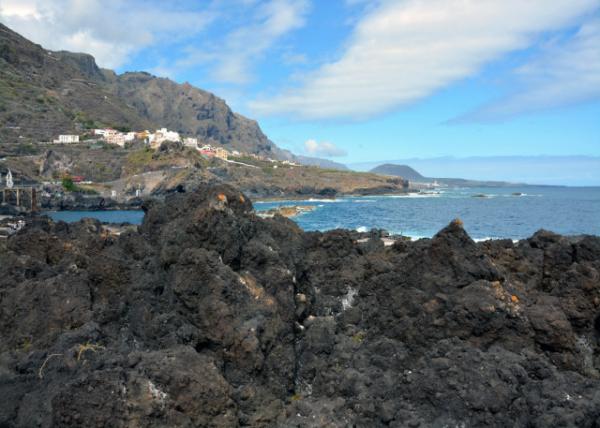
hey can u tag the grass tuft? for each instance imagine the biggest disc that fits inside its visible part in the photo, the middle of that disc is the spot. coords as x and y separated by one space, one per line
87 347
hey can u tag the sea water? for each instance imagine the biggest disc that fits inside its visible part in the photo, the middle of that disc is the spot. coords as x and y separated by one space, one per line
499 212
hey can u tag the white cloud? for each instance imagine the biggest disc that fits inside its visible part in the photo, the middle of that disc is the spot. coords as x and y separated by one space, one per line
266 24
566 72
110 30
325 148
405 50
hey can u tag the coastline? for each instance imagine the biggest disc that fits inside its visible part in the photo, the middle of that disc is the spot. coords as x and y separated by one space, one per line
502 214
317 197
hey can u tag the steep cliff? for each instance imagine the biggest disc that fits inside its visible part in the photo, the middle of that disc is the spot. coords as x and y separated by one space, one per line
44 93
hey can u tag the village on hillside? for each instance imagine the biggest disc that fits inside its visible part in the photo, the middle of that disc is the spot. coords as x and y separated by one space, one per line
82 184
155 139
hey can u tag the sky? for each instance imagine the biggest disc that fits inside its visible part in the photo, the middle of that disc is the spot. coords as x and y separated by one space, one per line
360 81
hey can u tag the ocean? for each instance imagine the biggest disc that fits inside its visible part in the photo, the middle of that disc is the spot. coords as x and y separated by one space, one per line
487 213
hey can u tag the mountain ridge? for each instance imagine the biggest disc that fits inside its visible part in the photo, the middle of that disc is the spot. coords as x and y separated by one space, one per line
409 173
44 93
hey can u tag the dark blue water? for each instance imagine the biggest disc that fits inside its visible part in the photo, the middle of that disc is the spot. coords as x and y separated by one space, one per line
569 211
133 217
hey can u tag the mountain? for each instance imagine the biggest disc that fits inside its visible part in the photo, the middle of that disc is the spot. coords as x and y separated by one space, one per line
409 173
45 93
403 171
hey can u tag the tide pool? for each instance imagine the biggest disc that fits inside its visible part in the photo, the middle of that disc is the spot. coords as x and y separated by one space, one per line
130 216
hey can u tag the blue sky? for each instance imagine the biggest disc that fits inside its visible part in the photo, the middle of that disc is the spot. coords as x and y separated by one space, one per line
357 80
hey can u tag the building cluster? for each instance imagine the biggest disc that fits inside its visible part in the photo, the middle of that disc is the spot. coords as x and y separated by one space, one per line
155 139
160 136
213 152
266 159
112 136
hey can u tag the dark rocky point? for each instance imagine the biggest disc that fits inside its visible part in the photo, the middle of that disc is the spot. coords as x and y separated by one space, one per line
210 316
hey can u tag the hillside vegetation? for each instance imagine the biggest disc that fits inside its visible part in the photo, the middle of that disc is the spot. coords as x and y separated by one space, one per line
159 171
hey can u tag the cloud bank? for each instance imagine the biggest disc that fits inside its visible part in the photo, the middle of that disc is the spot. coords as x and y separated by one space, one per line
403 51
111 30
566 72
325 148
257 28
272 20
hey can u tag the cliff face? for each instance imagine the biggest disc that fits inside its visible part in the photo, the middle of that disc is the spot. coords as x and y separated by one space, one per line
44 93
190 111
209 316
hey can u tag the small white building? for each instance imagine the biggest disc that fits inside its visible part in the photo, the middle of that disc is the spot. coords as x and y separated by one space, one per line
103 132
190 142
67 139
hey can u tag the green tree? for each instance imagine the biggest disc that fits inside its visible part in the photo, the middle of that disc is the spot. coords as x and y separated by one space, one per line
68 185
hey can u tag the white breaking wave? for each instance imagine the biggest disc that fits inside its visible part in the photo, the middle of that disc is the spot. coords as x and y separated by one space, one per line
492 238
417 237
329 201
414 195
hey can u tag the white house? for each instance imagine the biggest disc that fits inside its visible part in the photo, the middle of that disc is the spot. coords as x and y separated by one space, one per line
103 132
190 142
67 139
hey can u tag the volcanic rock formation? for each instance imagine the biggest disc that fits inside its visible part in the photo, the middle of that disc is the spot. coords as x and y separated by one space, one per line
211 316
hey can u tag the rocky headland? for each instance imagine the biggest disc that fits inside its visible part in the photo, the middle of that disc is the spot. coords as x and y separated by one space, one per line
115 175
210 316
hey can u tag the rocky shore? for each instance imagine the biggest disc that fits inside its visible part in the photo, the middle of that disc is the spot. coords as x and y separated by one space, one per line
287 211
210 316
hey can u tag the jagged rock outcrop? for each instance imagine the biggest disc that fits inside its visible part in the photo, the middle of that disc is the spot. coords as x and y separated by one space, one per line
211 316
